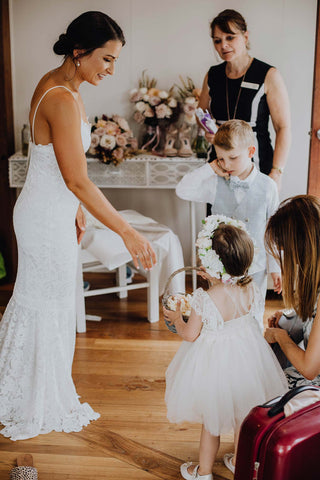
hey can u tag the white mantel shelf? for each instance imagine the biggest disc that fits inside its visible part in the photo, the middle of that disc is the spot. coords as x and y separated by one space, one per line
142 171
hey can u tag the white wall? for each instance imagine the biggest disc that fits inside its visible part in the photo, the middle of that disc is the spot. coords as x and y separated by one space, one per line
170 38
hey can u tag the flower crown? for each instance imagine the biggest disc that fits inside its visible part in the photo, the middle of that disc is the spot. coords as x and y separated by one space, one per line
208 256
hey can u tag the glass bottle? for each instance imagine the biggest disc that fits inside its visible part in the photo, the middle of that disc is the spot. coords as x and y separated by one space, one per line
25 138
201 145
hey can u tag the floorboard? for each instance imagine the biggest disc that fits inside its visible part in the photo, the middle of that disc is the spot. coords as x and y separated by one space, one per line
119 367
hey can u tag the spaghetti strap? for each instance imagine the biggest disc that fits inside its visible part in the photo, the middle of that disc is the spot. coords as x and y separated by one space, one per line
45 93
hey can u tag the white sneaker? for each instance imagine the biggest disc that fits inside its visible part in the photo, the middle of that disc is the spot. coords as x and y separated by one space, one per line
227 458
194 475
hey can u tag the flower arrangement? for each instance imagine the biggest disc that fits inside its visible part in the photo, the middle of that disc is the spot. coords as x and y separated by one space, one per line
112 141
189 98
184 300
209 258
153 105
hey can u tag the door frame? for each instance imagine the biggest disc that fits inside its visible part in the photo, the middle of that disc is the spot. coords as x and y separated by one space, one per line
7 195
314 156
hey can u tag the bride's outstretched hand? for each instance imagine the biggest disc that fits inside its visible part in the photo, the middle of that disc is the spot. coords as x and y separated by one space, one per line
140 249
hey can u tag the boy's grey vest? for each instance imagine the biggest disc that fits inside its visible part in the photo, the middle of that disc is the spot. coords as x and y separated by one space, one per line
252 210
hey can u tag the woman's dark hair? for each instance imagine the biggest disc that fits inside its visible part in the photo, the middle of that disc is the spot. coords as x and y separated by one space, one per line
235 250
226 19
89 31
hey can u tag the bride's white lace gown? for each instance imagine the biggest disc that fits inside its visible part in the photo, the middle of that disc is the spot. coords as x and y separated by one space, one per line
37 331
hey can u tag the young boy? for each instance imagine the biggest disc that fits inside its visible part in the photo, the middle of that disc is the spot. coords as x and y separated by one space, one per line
236 188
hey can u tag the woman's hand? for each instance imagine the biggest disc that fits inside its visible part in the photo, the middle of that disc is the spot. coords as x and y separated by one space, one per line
273 321
277 284
80 224
275 335
172 316
216 167
140 249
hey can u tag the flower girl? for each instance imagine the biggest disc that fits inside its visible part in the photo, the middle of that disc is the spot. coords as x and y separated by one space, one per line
224 367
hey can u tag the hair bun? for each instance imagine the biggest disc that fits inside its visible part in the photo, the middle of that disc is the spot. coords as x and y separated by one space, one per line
63 46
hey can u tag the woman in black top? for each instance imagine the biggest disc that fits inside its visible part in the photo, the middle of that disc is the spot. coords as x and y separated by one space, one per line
245 88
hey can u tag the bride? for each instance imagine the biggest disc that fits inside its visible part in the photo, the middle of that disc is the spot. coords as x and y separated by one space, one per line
37 332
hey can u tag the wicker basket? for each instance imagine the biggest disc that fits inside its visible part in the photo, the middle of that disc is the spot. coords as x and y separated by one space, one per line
166 295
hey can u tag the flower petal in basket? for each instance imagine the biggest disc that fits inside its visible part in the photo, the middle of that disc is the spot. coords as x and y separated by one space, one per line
169 301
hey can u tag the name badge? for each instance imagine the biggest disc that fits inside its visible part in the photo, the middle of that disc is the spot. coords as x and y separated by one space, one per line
252 86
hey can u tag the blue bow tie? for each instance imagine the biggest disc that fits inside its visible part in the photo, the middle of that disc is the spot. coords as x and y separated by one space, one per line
236 184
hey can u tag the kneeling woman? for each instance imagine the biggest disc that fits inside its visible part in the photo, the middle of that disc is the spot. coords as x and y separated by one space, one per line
293 237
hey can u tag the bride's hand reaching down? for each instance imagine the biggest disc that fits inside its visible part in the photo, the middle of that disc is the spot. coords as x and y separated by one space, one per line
140 249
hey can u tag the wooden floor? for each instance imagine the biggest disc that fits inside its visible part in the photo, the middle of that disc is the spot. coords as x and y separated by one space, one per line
119 368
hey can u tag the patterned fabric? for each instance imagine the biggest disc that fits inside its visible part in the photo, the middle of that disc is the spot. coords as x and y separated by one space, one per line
37 331
24 473
295 379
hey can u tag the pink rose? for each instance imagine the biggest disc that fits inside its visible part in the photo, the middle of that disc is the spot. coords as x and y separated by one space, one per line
136 97
154 101
112 128
148 112
138 117
189 109
101 123
121 140
108 142
95 140
123 124
118 154
163 111
100 131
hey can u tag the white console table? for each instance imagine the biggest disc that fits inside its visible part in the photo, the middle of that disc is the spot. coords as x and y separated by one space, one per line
142 171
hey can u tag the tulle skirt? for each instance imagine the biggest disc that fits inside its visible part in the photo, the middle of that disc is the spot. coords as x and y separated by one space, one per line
219 377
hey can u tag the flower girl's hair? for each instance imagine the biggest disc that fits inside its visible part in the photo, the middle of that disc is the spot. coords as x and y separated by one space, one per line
235 249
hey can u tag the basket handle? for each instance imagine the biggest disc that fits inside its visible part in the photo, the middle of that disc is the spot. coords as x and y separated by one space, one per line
183 269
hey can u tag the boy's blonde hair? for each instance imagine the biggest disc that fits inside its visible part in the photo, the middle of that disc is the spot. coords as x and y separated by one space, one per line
233 134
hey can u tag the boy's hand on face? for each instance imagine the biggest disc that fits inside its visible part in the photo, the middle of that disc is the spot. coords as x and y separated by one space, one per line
209 137
218 169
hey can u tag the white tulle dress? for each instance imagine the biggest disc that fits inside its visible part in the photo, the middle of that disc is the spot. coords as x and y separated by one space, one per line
37 331
226 371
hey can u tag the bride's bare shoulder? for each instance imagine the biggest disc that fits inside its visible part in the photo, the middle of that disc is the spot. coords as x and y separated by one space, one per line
56 99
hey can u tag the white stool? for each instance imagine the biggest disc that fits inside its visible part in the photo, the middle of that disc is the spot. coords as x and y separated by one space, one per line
87 262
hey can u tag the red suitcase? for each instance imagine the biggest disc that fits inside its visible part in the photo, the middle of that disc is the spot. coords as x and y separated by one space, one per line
275 447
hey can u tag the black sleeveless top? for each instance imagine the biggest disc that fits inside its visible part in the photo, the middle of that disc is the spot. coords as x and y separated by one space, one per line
252 105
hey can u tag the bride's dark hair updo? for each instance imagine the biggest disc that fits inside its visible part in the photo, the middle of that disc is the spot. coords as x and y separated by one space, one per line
89 31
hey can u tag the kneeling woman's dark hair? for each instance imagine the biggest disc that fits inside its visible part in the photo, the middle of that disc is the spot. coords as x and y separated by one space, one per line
235 249
89 31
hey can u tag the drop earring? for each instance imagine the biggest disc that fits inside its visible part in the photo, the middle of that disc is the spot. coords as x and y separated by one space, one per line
78 64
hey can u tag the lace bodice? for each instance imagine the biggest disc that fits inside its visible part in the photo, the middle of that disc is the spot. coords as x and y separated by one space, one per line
203 305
